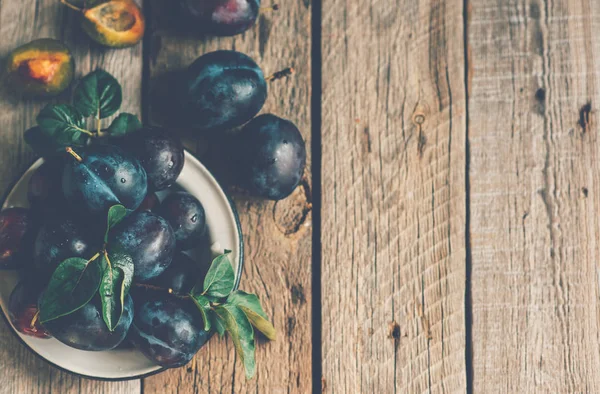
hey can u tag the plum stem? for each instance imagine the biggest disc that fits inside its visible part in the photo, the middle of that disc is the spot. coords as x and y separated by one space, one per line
71 6
77 157
34 320
109 264
274 7
286 72
158 288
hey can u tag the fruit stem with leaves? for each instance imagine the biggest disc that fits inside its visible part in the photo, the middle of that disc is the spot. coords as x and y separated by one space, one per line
75 281
98 95
225 309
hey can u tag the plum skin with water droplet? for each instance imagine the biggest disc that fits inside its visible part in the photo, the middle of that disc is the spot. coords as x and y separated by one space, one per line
96 183
159 152
57 240
186 215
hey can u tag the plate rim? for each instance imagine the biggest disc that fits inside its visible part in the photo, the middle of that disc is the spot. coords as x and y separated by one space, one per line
240 267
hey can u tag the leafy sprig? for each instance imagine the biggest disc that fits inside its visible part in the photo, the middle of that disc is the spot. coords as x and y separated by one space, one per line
76 281
98 96
233 311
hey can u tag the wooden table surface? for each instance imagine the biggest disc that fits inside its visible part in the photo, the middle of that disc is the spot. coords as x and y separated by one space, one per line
452 243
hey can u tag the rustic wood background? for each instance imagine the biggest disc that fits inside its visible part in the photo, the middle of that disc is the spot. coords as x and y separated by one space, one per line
453 236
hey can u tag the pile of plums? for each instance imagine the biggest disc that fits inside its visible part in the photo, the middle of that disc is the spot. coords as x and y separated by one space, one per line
225 90
71 193
68 195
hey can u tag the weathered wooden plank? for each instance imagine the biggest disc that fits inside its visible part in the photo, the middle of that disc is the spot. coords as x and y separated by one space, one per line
21 22
277 236
535 195
393 210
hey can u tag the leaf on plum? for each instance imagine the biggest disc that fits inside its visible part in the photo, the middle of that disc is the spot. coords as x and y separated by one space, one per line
115 286
116 213
98 94
204 305
71 287
220 279
124 124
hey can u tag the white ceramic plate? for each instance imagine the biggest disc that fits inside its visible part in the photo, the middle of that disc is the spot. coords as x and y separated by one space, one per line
123 364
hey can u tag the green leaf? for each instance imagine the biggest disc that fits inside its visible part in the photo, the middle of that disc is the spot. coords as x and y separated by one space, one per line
242 334
45 145
124 124
217 323
116 213
112 296
220 279
204 305
98 94
115 286
250 305
63 123
71 287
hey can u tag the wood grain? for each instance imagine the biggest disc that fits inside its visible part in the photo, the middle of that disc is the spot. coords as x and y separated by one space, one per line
21 22
535 195
393 213
277 236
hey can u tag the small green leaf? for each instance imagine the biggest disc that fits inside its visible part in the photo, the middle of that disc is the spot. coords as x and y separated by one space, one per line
242 334
204 305
250 305
98 94
115 286
63 123
116 213
111 294
124 124
71 287
220 279
45 145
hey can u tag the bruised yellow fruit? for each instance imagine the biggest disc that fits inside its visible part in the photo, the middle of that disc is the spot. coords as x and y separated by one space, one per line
115 23
42 68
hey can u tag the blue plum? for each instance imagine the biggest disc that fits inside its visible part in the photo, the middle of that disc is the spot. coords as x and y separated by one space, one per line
102 176
160 153
270 157
45 192
181 275
150 241
168 331
59 239
23 307
221 90
85 329
220 17
17 231
187 217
